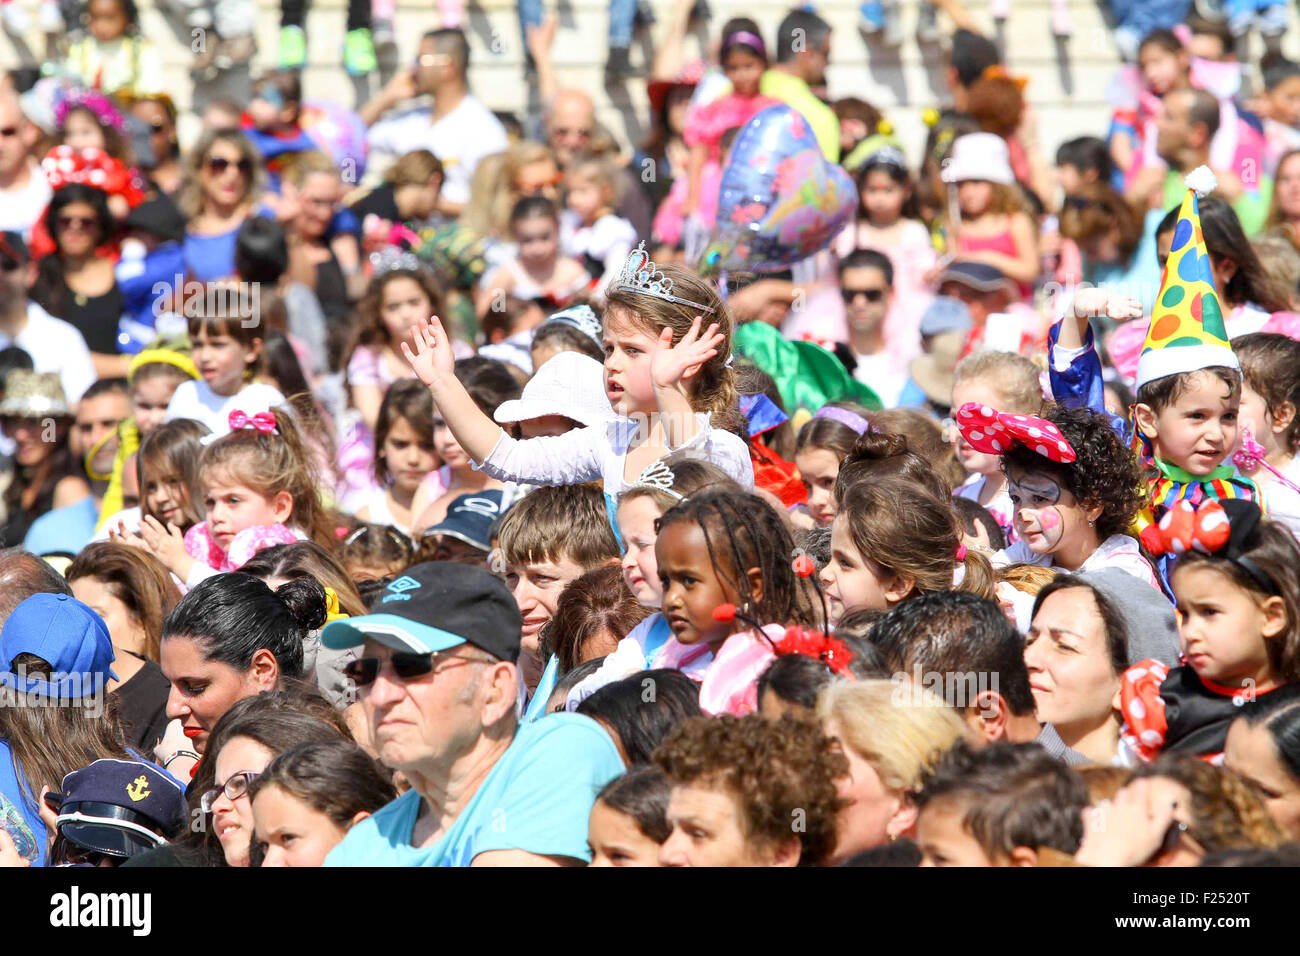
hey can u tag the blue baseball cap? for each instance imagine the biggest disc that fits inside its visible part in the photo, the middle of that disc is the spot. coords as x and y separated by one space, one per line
67 635
470 518
945 314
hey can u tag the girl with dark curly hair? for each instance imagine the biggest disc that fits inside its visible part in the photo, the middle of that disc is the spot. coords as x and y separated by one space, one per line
1074 487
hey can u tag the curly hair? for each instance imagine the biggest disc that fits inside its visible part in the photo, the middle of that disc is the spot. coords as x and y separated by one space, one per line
773 769
1227 810
1105 472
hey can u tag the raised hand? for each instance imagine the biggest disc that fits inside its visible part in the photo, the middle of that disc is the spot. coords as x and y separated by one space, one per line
432 358
673 364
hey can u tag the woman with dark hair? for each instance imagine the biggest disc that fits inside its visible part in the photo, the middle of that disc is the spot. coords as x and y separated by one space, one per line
158 112
233 637
1264 747
75 284
640 711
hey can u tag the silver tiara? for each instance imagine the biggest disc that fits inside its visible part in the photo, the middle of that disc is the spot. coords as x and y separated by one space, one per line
641 276
657 475
391 258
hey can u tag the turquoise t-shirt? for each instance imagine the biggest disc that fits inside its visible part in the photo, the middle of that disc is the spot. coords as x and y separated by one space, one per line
537 798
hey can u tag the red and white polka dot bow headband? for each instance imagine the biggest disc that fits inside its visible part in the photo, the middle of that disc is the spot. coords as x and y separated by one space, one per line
994 432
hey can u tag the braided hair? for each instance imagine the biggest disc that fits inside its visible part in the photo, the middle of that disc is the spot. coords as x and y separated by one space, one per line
743 531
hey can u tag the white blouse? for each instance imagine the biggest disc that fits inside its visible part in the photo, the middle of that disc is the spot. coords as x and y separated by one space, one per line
600 451
1117 551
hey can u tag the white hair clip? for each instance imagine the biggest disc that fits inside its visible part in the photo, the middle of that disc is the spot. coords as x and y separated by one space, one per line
657 475
641 276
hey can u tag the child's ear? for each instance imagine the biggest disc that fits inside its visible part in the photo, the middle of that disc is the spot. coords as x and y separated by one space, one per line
755 576
897 587
282 506
787 852
1024 856
1146 420
1282 417
253 352
1275 616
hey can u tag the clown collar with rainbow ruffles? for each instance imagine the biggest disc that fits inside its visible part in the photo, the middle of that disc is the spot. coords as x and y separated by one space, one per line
1175 484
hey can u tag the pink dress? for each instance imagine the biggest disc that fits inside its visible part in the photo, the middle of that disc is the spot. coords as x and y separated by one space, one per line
1000 242
729 680
706 124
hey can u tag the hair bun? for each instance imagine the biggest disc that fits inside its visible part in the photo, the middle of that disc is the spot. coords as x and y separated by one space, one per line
876 446
306 600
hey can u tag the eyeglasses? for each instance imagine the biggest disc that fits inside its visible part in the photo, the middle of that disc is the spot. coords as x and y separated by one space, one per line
234 788
77 223
219 164
562 131
406 665
873 295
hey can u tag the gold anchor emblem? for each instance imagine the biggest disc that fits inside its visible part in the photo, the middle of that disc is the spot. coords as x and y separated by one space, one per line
138 789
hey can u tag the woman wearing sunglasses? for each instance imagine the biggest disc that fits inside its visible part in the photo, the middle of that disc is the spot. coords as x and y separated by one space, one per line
223 181
77 285
324 251
233 637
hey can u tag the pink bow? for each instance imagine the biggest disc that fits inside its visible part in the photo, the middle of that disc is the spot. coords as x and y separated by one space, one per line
994 432
262 421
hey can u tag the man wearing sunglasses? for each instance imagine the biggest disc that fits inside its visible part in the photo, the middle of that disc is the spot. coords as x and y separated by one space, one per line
24 190
437 681
867 288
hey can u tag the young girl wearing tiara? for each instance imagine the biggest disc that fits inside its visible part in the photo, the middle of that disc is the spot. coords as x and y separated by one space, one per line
660 368
1074 486
1269 417
259 488
726 548
1237 584
1010 383
227 351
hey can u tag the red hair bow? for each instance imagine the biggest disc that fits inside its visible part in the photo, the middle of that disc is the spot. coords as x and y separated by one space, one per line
829 650
994 432
1185 527
90 166
262 421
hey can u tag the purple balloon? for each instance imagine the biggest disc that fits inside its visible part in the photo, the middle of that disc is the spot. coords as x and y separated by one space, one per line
339 132
781 200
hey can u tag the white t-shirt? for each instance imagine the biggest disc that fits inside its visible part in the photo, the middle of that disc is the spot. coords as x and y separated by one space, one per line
880 372
55 346
198 401
1117 551
20 208
460 139
1283 502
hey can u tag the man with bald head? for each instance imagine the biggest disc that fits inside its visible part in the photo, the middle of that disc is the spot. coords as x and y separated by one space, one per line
24 190
458 128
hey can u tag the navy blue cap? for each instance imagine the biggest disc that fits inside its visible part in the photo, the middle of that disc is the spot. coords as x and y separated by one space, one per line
470 517
67 635
975 275
945 314
121 807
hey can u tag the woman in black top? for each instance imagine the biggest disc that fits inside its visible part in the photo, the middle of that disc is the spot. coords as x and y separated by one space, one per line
133 593
75 284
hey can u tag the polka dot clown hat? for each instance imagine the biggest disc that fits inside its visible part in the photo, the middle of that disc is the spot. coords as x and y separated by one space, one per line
1187 331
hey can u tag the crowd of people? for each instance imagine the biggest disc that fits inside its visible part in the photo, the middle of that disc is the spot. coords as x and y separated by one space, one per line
468 515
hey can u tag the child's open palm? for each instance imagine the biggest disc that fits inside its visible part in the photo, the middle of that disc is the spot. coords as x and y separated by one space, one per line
673 364
432 359
166 543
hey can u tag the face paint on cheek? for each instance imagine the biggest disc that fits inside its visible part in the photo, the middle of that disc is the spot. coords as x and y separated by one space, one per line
1050 520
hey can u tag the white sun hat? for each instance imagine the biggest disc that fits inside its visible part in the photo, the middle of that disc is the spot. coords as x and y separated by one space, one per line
570 384
982 156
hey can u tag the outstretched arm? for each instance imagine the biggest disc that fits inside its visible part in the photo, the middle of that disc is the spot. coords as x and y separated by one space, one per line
434 364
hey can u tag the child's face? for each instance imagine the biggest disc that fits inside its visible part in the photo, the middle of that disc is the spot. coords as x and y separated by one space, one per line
149 400
1223 627
1046 515
82 132
1253 416
1286 188
944 839
628 353
408 456
166 497
402 304
982 392
1285 101
851 582
636 523
447 448
545 426
231 507
883 198
539 242
1197 431
222 360
819 468
1162 70
1069 178
744 70
586 196
106 19
974 196
692 587
541 178
264 109
292 831
616 840
1068 660
537 587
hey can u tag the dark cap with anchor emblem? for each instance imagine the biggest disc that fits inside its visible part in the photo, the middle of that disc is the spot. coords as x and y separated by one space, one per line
121 807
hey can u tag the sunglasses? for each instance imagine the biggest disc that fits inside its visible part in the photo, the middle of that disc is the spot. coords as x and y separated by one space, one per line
219 164
234 788
406 665
77 223
873 295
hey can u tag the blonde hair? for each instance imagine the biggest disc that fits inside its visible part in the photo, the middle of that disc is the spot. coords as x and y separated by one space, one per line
1025 578
901 741
599 168
1013 376
715 384
415 168
190 200
302 165
272 462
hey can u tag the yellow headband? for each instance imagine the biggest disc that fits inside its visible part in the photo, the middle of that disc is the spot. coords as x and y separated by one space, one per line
179 359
